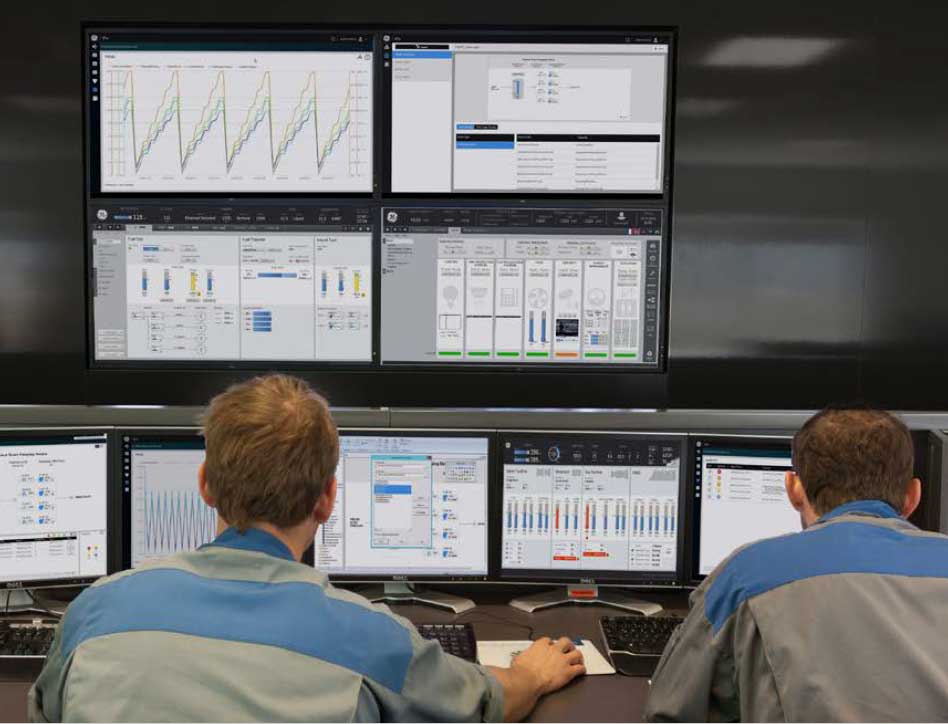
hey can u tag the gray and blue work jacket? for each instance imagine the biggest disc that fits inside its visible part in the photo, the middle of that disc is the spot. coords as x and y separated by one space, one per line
240 631
845 621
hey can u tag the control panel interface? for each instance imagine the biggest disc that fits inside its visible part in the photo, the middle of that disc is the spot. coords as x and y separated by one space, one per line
530 114
407 505
739 488
188 111
521 286
590 503
164 512
53 506
231 283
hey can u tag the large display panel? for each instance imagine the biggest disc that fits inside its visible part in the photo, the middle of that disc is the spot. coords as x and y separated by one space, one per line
163 513
188 284
528 112
591 507
523 286
411 505
54 507
738 495
176 110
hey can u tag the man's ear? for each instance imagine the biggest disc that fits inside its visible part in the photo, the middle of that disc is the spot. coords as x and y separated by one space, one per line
326 502
203 489
913 496
796 493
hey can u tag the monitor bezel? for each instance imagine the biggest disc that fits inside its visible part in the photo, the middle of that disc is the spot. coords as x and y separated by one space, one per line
111 503
91 181
625 579
693 491
491 529
532 33
124 472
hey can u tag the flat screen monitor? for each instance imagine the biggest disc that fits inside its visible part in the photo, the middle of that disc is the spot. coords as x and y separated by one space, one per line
412 505
162 510
55 508
528 111
163 513
235 284
591 507
539 288
738 495
223 110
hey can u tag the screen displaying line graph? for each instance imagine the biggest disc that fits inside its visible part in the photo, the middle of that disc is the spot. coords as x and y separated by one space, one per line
167 513
235 121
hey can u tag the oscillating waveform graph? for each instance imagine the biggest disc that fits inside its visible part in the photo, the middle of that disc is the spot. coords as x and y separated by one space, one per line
256 124
176 520
168 514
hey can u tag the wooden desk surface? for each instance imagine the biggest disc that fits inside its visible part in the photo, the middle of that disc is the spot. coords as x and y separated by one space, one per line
593 698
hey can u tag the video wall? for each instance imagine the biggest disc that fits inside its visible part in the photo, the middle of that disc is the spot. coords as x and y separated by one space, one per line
350 200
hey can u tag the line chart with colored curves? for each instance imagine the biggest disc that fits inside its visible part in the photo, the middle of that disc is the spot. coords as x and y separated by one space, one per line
267 122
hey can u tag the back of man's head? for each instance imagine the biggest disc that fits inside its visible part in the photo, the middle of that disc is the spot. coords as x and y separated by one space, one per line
842 455
272 448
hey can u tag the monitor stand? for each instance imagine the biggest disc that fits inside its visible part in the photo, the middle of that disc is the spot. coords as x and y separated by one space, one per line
408 593
584 595
25 600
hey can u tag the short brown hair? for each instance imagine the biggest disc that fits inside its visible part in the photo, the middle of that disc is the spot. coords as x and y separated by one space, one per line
842 455
272 447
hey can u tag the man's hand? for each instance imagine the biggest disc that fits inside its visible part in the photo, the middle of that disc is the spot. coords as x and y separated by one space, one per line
553 663
543 668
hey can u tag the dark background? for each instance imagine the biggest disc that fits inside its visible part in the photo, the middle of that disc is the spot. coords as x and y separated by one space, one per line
807 245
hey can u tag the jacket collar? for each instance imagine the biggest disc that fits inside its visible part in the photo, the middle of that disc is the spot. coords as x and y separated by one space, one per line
253 539
872 508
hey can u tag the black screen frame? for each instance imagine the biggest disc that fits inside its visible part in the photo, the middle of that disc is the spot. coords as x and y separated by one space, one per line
693 490
491 528
526 34
625 579
123 467
64 435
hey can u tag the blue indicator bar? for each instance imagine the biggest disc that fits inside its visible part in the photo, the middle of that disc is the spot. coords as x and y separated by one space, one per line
393 490
422 54
276 275
485 144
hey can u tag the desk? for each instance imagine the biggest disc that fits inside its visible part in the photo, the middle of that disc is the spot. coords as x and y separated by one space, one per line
592 698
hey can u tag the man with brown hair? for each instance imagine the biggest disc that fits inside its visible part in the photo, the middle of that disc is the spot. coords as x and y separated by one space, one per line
841 622
239 630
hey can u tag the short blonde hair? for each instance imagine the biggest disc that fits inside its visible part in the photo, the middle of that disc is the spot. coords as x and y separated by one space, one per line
272 448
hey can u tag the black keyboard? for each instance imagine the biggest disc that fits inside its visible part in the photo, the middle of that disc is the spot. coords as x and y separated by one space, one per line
26 638
455 638
636 643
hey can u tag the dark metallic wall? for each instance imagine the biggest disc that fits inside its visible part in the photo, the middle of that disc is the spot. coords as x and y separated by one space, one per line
807 258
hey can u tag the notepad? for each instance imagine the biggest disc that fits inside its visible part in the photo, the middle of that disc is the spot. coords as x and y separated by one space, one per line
501 653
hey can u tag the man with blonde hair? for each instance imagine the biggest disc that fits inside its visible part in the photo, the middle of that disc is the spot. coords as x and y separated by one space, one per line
240 630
